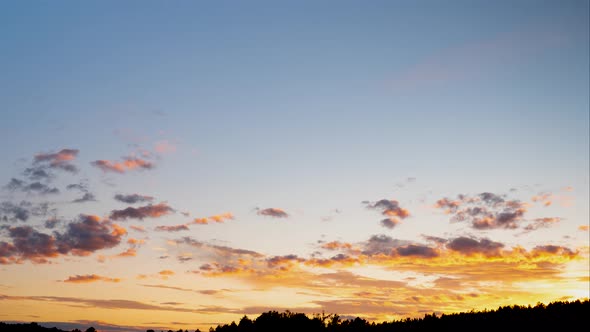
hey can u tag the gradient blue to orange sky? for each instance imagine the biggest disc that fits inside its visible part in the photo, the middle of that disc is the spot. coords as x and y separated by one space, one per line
178 164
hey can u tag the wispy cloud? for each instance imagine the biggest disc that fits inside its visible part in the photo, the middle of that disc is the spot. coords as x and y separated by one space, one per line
272 212
31 188
164 146
88 278
87 197
218 218
543 198
138 228
484 57
148 211
133 198
336 245
173 228
58 160
182 289
542 223
23 210
128 164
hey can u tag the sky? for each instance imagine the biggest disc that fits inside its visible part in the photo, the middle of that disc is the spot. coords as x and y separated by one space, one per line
181 164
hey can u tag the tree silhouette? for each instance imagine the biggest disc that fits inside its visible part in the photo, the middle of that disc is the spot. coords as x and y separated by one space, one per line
555 316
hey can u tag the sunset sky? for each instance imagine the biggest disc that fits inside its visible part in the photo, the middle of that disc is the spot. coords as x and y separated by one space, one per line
178 164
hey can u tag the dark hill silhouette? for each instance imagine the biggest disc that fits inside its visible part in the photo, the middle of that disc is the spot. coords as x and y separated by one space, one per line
556 316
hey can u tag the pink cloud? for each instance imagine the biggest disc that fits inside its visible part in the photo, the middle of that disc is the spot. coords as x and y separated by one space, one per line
164 147
130 163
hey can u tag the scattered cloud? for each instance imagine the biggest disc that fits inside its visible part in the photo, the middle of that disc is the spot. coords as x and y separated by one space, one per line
390 222
38 172
283 261
272 212
15 184
15 212
470 246
484 211
51 223
128 164
336 245
174 228
435 239
31 188
391 209
543 198
138 228
23 211
88 278
542 223
58 160
165 274
129 252
219 218
219 252
381 244
81 238
90 234
416 251
78 186
164 147
87 197
133 198
148 211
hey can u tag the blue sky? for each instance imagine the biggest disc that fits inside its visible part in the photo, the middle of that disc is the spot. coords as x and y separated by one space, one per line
309 107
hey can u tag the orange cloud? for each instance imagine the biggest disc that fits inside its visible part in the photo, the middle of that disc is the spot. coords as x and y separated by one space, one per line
88 278
138 228
543 198
131 252
336 245
165 274
463 257
284 261
219 218
135 242
222 217
450 205
390 208
340 260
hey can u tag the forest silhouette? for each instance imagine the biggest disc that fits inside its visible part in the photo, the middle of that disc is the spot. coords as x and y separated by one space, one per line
555 316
